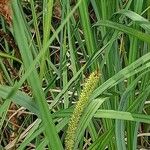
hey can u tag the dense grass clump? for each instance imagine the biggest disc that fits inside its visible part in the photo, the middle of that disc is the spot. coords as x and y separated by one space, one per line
49 48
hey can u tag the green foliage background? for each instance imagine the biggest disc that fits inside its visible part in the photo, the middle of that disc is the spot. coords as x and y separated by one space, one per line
60 43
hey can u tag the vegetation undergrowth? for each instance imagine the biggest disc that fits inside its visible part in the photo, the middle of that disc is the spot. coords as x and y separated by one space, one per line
49 48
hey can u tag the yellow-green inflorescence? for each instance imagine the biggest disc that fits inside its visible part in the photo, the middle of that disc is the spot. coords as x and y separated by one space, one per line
79 108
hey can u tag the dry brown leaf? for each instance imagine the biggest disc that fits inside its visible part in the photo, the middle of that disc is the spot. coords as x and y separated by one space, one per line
5 10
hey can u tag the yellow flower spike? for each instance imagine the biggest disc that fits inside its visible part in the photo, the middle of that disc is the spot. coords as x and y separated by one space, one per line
79 108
